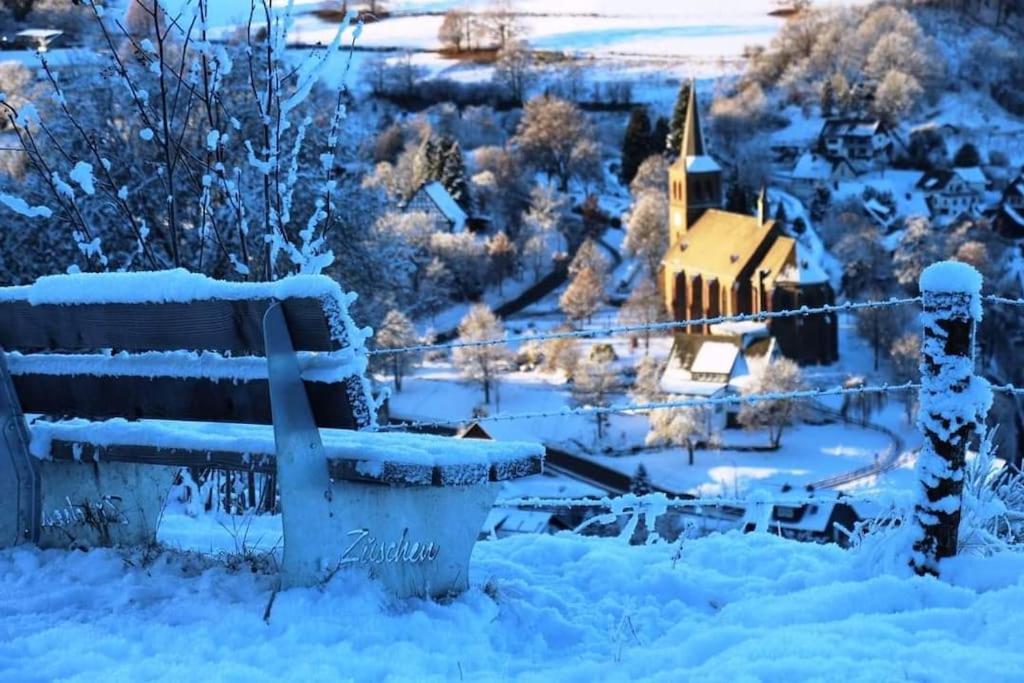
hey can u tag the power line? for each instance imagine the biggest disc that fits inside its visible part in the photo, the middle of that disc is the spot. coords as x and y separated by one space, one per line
645 407
651 327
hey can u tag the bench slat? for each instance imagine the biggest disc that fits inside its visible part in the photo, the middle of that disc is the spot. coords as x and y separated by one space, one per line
388 473
100 397
212 324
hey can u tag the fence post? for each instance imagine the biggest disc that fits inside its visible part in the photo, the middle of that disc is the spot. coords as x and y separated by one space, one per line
954 402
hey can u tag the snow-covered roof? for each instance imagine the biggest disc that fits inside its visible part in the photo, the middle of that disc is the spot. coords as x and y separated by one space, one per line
676 381
851 127
715 358
39 33
446 204
807 271
811 166
702 164
744 328
973 175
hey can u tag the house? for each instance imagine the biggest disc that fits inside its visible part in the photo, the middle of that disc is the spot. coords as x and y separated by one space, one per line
864 142
824 520
434 200
814 171
39 39
1010 216
721 263
948 195
717 364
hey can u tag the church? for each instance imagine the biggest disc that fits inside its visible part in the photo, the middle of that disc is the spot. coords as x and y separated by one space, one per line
721 263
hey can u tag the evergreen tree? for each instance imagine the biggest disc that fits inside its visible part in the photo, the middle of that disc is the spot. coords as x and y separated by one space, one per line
967 156
828 98
635 144
656 145
739 198
675 129
640 484
452 172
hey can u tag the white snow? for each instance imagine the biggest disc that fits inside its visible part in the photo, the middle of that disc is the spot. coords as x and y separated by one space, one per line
81 174
728 607
717 358
446 205
20 206
368 447
702 164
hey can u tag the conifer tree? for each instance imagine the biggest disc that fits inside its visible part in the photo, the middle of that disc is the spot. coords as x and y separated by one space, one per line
675 128
635 144
739 198
583 295
452 172
640 484
656 143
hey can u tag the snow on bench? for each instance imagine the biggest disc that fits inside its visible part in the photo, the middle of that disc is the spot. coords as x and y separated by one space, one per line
383 457
128 377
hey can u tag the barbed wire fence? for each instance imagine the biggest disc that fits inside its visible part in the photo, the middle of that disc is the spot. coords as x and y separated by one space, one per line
938 318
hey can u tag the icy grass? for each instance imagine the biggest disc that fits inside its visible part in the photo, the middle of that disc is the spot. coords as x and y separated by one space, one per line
727 607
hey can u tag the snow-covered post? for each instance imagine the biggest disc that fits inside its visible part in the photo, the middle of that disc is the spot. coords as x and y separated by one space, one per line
954 401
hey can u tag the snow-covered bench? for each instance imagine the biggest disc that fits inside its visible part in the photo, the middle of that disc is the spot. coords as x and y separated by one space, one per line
126 378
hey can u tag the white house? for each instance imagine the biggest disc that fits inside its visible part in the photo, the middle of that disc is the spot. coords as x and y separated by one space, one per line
434 200
864 142
813 171
948 195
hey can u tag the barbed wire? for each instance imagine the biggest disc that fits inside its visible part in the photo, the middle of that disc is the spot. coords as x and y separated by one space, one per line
993 299
650 327
632 501
1008 389
646 407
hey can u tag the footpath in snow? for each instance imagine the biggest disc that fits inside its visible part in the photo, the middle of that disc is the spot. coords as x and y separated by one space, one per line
727 607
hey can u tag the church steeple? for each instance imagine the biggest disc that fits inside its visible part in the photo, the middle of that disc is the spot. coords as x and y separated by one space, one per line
693 136
695 179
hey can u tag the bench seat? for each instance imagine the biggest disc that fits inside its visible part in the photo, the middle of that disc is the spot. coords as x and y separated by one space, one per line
386 458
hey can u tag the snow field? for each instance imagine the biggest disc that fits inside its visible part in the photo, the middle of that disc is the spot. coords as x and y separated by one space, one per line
726 607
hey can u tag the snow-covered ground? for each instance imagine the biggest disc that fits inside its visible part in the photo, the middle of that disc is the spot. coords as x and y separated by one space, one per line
726 607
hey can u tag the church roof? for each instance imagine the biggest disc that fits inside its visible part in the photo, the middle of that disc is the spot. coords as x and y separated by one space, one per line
720 244
780 257
693 136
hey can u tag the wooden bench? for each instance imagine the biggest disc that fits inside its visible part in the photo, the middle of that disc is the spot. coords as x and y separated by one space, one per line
110 383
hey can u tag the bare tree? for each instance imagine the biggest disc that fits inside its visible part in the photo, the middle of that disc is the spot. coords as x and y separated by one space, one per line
647 230
502 253
918 248
687 427
514 69
455 28
647 382
556 138
583 296
780 376
643 307
652 176
482 364
396 332
562 353
904 358
881 326
593 383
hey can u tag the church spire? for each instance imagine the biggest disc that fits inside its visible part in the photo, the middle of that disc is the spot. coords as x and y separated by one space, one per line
693 136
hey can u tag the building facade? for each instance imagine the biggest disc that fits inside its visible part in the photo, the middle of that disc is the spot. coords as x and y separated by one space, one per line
721 263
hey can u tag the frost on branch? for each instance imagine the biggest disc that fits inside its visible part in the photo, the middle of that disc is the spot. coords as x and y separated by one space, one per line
953 403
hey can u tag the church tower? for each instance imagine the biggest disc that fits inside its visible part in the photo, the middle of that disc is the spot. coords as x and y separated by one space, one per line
695 179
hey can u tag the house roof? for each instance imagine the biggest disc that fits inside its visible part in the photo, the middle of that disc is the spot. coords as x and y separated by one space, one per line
811 166
972 175
851 127
806 270
937 180
444 202
715 358
720 244
780 257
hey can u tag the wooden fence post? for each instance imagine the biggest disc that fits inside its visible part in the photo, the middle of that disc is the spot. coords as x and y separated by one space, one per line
954 402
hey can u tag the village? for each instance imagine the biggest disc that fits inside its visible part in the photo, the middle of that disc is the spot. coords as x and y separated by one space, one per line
529 280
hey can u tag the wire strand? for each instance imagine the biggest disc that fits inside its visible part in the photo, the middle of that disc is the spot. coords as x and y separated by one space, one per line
650 327
645 407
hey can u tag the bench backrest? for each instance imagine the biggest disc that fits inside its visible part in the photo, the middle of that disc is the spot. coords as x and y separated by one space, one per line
177 345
